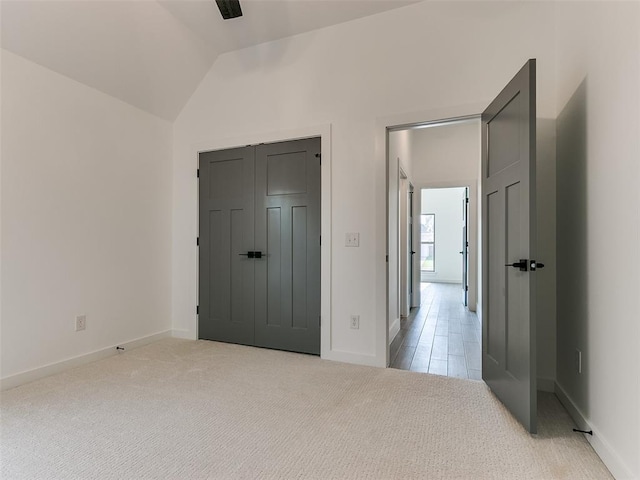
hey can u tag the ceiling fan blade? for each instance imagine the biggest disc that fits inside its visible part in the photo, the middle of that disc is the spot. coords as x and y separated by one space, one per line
229 8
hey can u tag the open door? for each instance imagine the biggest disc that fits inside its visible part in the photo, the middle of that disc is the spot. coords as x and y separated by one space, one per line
465 248
412 298
509 246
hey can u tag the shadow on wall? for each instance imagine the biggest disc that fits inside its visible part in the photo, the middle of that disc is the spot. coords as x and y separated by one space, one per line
572 247
546 251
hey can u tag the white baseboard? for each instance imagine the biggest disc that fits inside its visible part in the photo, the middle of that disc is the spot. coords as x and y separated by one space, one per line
443 280
58 367
186 334
602 447
394 329
355 358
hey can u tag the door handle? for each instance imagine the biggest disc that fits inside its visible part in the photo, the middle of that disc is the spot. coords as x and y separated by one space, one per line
252 254
535 265
522 264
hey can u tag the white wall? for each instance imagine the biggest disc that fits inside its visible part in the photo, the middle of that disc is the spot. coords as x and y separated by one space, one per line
400 150
447 152
356 77
86 202
598 147
446 204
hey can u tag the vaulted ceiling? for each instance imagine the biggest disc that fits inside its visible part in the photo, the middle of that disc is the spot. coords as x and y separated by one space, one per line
153 53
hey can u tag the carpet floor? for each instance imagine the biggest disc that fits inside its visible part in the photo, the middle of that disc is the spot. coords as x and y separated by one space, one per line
180 409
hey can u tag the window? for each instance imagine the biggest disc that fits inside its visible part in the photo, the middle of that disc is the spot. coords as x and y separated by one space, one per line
428 242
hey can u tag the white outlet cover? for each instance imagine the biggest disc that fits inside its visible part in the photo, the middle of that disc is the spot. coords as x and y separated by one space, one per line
352 240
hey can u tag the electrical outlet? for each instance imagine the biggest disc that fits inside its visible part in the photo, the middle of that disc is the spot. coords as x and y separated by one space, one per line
81 322
355 321
578 359
352 240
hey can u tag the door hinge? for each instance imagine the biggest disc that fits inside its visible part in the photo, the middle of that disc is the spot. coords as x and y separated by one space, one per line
197 309
319 157
198 173
387 259
320 239
467 200
198 241
466 288
319 321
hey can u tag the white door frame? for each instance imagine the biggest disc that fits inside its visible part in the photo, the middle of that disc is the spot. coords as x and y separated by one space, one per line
384 127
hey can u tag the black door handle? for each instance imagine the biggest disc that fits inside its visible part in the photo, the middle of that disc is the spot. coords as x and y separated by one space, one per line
522 264
252 254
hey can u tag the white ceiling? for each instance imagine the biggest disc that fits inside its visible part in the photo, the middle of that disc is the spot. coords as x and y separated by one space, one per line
153 53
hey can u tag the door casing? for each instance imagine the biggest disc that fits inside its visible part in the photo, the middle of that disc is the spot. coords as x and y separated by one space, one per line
417 120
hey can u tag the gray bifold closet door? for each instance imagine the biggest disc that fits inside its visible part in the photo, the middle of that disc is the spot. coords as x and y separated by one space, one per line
259 263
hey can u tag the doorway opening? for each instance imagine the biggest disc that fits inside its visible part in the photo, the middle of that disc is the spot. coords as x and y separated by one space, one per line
444 241
434 265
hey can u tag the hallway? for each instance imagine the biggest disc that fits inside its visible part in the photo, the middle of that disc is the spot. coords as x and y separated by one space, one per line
441 337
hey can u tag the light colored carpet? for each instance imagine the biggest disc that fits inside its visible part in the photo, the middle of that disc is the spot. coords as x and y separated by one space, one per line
180 409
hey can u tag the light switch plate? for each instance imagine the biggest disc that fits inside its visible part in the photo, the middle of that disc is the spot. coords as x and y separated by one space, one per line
352 240
81 322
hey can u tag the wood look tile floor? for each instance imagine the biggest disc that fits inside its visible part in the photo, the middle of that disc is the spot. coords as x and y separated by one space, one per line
441 337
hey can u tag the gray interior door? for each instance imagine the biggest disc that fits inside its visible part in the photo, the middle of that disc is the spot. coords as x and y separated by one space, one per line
465 248
226 217
288 235
259 257
411 251
508 247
